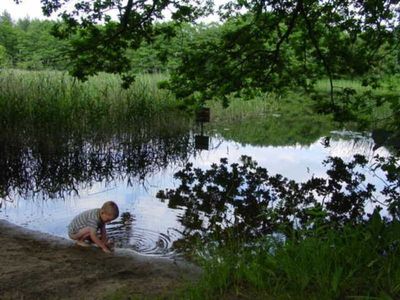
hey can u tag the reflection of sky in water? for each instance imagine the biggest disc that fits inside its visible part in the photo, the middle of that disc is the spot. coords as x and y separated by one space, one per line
154 225
295 162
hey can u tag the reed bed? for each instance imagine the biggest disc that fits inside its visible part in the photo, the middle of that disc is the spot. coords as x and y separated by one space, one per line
239 109
41 96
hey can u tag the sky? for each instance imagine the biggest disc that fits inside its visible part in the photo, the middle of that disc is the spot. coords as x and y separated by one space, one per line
32 9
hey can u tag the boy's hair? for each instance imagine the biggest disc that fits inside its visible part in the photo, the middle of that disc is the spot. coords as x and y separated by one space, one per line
110 208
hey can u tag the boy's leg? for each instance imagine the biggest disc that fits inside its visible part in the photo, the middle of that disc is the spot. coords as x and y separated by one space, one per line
82 235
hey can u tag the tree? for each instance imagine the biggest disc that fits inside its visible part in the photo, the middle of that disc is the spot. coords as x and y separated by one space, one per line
38 49
325 32
8 35
29 44
99 43
3 56
279 44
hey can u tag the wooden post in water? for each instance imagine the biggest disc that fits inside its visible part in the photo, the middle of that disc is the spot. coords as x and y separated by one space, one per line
203 115
201 142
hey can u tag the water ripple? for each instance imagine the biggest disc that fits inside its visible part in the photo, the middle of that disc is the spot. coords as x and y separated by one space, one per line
125 234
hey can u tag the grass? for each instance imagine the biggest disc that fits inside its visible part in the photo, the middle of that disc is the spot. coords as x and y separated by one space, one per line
299 117
271 120
388 84
239 110
296 103
42 96
364 105
358 262
48 97
340 84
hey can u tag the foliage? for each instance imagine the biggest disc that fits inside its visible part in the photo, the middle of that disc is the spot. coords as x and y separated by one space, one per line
37 48
361 103
279 44
263 44
103 47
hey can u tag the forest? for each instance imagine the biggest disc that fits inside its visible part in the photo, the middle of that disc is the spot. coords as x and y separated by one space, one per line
273 73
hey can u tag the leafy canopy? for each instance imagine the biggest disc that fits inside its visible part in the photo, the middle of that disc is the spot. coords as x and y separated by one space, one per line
276 44
99 42
262 45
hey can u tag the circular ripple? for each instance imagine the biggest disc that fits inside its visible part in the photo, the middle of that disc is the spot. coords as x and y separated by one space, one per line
125 234
151 243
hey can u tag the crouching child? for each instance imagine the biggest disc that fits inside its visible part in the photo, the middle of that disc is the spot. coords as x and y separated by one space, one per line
86 225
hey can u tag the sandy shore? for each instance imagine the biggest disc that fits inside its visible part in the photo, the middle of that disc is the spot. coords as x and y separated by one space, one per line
34 265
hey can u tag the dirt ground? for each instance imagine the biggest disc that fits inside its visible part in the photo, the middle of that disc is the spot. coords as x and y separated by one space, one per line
40 266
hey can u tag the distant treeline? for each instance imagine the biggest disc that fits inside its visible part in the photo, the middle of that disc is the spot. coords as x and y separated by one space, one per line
30 44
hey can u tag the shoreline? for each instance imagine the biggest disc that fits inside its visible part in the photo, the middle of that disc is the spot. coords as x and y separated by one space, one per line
35 265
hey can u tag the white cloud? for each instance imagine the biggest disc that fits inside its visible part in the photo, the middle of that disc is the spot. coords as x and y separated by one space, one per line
28 8
33 10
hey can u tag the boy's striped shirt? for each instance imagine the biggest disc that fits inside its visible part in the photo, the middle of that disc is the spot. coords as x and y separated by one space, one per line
89 218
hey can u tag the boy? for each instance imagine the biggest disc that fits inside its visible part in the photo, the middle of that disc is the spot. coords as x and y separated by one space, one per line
85 225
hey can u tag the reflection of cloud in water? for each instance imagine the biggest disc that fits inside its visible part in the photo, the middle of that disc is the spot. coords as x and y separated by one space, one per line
347 148
295 162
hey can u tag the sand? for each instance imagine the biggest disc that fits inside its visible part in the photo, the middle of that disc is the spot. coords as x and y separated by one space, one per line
34 265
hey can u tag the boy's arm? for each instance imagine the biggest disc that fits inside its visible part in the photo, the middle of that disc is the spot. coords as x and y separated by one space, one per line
103 233
98 241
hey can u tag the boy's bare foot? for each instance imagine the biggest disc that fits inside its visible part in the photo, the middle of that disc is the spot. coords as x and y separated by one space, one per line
82 244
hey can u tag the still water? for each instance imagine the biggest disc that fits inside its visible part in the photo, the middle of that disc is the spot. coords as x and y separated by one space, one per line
48 178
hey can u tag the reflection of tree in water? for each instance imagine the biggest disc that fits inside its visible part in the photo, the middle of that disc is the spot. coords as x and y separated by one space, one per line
120 231
244 202
56 161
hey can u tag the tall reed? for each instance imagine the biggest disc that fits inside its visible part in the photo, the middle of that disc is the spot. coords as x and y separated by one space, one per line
42 96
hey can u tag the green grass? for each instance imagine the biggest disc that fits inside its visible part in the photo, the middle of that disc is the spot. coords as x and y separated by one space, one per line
52 95
359 262
299 117
388 84
271 120
363 105
339 85
239 110
270 105
42 96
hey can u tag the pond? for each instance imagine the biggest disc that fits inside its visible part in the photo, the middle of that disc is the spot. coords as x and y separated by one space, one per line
49 175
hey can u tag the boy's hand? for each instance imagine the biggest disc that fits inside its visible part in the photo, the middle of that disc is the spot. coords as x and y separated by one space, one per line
106 250
99 242
110 244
